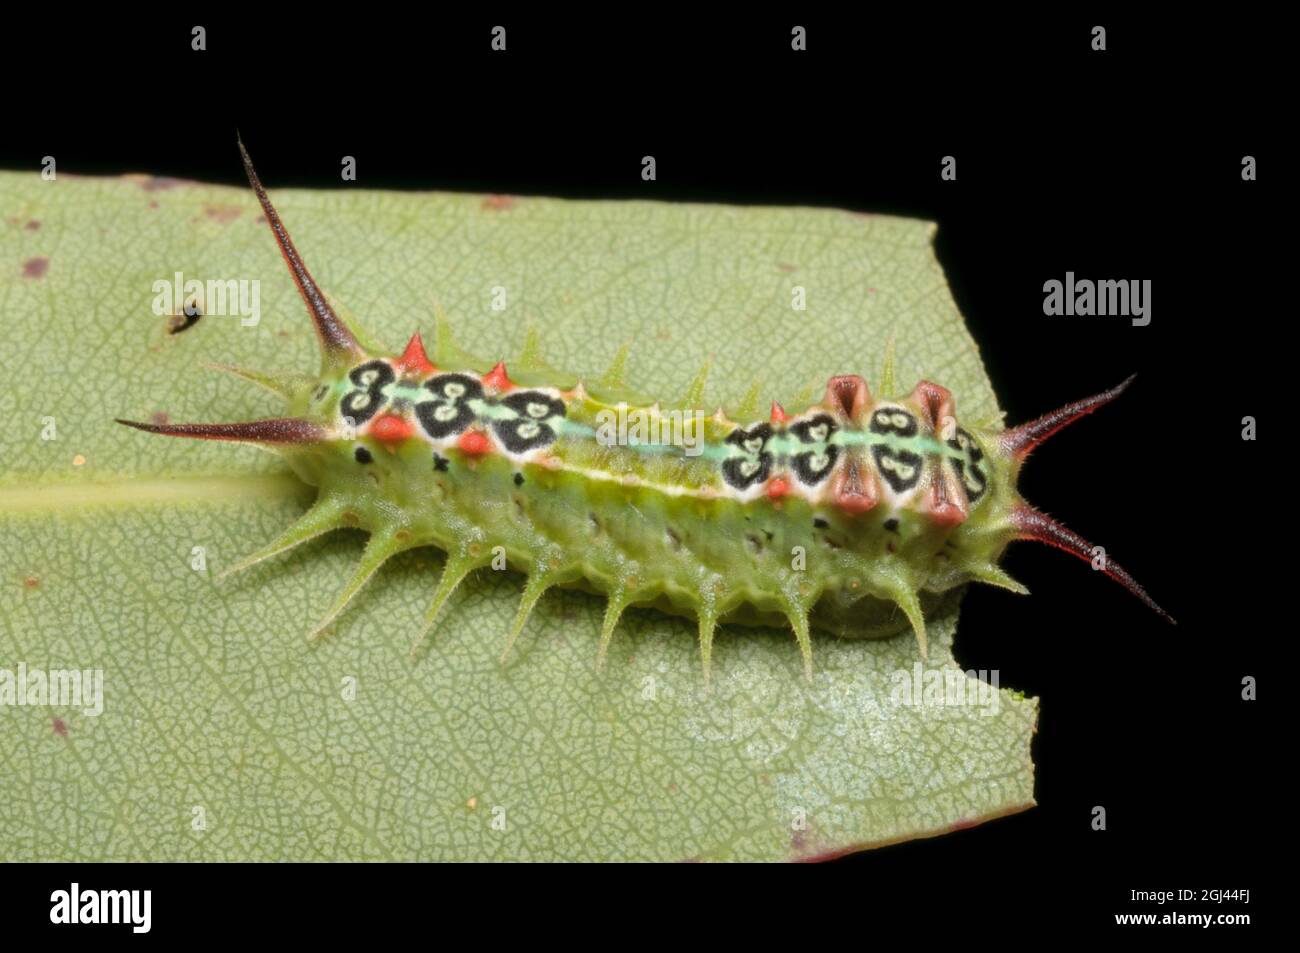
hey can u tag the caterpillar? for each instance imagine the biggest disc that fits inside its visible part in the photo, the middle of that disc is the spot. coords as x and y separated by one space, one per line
852 516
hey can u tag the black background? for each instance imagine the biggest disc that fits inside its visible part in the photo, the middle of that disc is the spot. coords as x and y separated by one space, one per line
1117 164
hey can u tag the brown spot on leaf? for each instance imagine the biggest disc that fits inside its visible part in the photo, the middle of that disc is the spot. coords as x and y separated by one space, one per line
152 204
33 226
221 215
782 266
36 267
31 581
156 183
60 727
498 203
159 418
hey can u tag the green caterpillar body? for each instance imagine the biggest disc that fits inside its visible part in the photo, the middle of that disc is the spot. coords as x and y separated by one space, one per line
852 516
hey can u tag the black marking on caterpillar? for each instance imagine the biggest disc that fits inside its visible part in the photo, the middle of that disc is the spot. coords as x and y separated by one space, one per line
533 423
968 467
448 412
371 381
754 464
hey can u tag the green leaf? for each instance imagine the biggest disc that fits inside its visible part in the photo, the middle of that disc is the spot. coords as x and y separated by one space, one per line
216 708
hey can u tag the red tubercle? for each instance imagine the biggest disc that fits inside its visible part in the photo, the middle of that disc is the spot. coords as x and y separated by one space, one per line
474 443
937 403
851 493
847 396
779 416
414 360
777 488
947 514
497 378
391 428
947 505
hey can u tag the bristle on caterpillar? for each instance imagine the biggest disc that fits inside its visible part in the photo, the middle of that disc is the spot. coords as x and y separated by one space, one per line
1020 441
274 431
849 515
1040 527
336 338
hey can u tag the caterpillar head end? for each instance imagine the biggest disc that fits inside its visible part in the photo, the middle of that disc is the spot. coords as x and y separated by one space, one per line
309 409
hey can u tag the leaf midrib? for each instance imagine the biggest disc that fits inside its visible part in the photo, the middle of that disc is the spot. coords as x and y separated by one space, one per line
145 491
